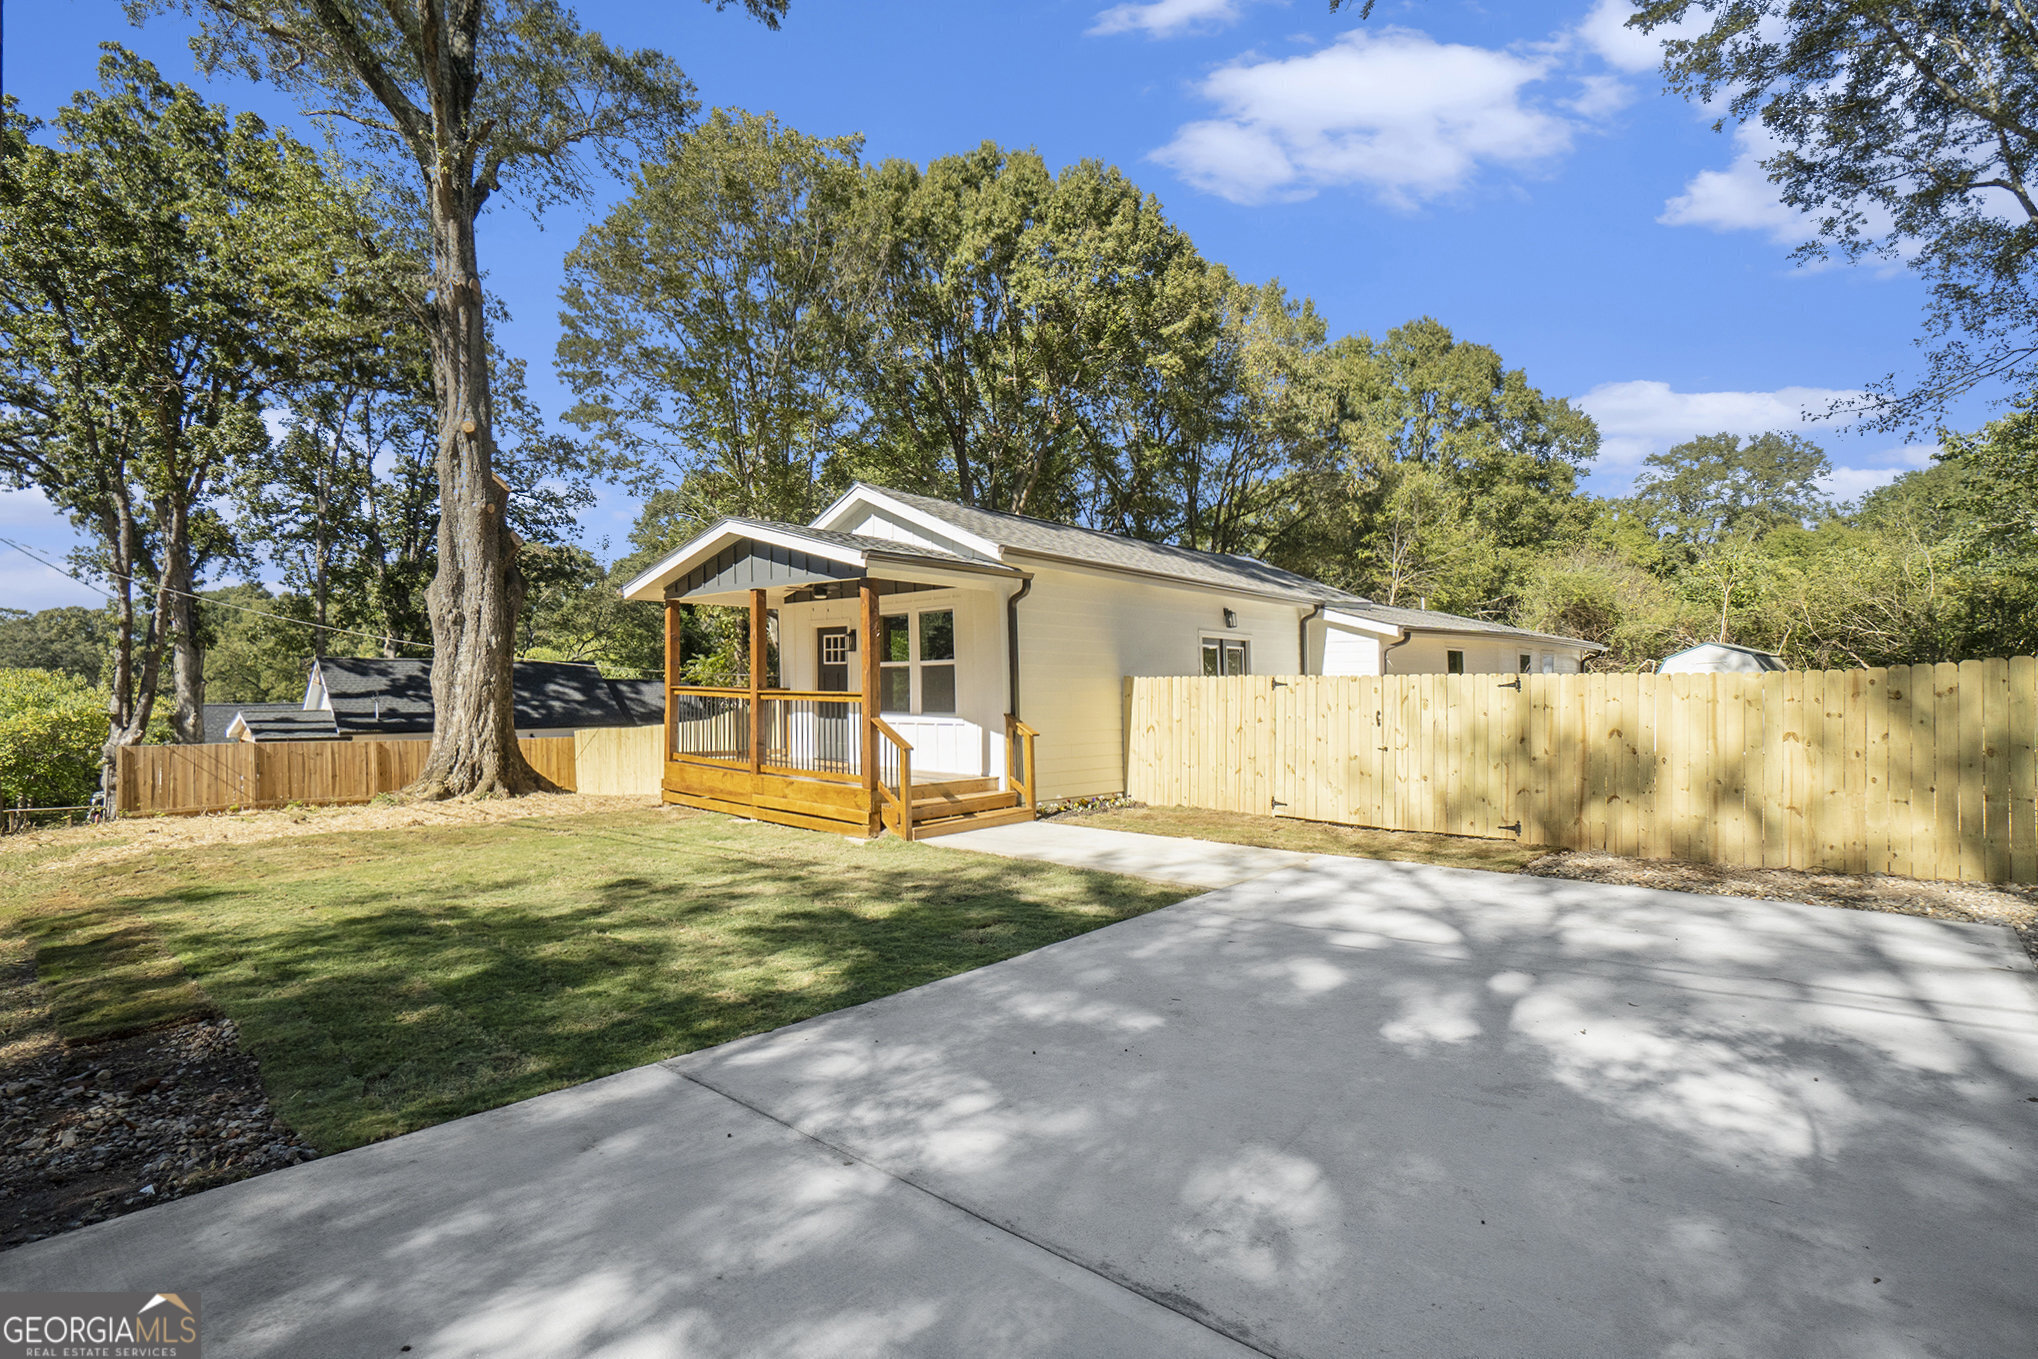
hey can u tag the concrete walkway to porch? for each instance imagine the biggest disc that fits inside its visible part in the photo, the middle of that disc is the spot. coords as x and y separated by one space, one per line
1165 858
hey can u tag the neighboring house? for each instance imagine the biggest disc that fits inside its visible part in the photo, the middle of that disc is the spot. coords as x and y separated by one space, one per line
349 698
217 717
980 617
1720 658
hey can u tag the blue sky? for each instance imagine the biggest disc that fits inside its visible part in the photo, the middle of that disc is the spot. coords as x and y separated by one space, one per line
1514 171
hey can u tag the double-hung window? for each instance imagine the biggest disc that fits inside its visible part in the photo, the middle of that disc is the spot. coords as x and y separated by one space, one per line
916 662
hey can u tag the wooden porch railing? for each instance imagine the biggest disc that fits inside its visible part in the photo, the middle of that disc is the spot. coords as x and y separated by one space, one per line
1019 759
812 733
895 779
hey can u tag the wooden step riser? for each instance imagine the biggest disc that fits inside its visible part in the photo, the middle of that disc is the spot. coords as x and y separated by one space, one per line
934 788
973 821
924 808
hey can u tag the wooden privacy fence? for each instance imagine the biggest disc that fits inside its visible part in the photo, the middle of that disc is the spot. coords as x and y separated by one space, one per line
1926 771
179 780
620 760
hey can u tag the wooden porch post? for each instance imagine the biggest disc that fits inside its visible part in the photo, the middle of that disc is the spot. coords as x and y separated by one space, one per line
757 661
867 592
672 659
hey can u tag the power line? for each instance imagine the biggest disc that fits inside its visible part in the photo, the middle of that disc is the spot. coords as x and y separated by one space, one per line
148 584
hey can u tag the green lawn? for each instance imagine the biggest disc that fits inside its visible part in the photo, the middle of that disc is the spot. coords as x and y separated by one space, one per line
395 979
1316 837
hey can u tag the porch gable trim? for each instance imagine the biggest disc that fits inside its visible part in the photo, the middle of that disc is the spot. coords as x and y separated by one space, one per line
754 564
686 559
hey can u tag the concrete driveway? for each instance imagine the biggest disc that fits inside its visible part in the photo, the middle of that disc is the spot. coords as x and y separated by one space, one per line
1348 1108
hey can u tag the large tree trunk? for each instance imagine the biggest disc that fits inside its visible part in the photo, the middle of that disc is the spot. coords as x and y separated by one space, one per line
131 697
180 612
478 592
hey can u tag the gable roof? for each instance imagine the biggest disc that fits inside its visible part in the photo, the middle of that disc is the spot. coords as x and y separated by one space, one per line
217 717
732 535
263 722
1094 547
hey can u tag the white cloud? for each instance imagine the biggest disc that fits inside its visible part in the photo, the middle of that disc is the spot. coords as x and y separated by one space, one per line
1639 418
1621 47
1600 95
1740 197
1167 18
1393 111
1854 481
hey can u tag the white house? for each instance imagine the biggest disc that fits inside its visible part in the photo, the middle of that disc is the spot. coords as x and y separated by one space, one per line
1720 658
992 629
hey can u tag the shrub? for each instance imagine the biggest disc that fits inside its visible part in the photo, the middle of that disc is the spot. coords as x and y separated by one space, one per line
51 728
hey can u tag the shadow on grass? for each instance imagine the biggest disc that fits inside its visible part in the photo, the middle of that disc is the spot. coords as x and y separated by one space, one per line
428 977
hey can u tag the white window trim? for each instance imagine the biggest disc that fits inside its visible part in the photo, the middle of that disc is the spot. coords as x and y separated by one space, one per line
915 700
1207 636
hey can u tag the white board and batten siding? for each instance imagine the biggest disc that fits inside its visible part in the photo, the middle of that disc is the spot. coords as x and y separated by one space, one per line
1082 632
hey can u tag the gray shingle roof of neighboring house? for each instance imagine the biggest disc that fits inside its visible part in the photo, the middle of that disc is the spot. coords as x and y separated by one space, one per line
217 717
374 696
1435 621
643 699
1020 533
291 724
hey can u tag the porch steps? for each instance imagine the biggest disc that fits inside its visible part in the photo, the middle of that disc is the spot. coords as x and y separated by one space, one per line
951 785
927 808
1010 815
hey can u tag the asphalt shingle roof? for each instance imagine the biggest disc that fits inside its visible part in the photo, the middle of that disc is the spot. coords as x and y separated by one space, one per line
1021 533
371 695
294 724
217 717
883 547
1433 620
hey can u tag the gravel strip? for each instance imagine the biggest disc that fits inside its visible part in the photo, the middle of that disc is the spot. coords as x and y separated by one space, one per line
93 1132
1975 903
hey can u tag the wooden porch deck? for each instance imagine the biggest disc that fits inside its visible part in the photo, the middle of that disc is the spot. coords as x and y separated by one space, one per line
811 759
822 759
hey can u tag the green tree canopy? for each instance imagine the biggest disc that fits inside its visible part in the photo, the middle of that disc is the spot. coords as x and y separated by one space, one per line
1720 486
456 103
706 320
72 640
1905 132
165 270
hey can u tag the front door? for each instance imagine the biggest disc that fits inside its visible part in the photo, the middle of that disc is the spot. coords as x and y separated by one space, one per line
834 739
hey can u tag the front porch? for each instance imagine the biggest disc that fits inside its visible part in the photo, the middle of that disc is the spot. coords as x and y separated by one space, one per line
885 708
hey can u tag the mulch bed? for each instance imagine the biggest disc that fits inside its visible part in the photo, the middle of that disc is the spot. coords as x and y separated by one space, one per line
95 1131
